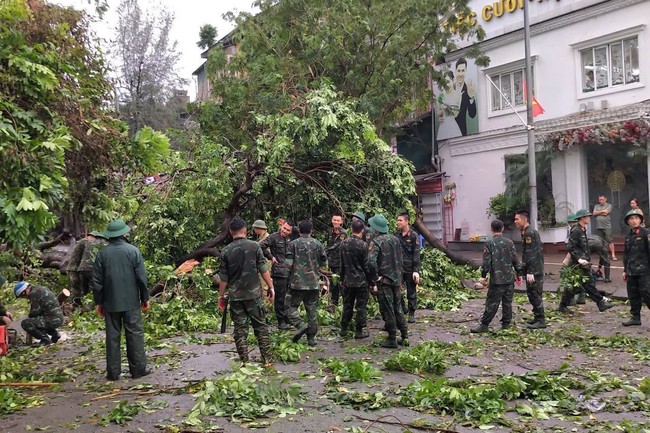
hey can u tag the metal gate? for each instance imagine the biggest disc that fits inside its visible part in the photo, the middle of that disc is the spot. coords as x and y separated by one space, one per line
431 205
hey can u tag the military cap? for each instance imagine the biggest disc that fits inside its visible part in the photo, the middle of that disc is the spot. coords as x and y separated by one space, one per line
259 224
379 223
582 213
360 215
633 212
571 218
116 229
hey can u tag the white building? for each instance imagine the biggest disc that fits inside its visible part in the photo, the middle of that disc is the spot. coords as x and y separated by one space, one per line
591 62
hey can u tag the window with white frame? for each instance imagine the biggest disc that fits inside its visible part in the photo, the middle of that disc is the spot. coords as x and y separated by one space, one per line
610 64
511 86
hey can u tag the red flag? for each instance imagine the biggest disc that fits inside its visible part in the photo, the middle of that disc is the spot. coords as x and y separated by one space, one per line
537 108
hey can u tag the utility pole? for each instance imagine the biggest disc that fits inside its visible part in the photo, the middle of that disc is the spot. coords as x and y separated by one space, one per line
532 168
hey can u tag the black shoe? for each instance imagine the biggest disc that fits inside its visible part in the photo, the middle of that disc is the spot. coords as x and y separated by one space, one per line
634 321
531 321
359 335
480 329
311 341
540 324
604 305
389 343
112 378
45 341
299 333
505 326
565 310
55 335
411 317
147 371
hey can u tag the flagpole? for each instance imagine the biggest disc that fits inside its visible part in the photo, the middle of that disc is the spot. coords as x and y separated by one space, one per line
532 169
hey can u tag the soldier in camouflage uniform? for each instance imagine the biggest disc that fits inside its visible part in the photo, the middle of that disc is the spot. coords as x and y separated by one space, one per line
45 313
334 239
501 263
275 248
636 266
241 264
578 247
305 257
80 267
532 259
410 242
386 265
355 279
366 234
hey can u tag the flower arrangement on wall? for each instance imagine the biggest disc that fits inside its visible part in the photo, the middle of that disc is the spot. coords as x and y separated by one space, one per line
635 132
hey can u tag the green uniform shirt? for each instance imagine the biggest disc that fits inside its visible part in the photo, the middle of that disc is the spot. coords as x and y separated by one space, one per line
355 271
277 246
333 246
44 303
410 250
603 221
500 261
241 263
532 257
119 277
578 245
386 259
636 261
305 256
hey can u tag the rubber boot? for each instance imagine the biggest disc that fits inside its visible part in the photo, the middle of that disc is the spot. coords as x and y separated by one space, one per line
411 317
539 324
480 329
361 334
634 321
607 274
299 333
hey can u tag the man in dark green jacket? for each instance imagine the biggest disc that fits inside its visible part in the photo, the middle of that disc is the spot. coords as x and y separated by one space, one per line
45 313
120 292
275 247
636 266
410 242
386 265
532 262
501 263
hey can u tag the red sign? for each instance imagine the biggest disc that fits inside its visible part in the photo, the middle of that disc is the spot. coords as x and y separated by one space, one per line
429 186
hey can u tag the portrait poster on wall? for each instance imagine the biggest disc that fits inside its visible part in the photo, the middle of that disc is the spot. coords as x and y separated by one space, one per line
456 106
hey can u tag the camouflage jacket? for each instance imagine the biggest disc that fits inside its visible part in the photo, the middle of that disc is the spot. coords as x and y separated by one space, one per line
532 257
500 261
306 255
333 246
637 252
44 303
386 259
599 246
241 263
355 271
367 235
83 255
578 245
410 250
277 246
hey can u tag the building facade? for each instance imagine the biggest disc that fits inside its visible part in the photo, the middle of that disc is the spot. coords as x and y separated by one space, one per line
591 61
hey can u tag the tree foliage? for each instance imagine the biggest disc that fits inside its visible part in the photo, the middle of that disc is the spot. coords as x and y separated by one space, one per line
63 154
147 60
207 36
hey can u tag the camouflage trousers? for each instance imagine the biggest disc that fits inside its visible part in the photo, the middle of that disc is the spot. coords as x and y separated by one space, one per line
498 294
39 327
245 312
535 296
355 296
79 285
310 299
390 304
335 289
411 293
638 292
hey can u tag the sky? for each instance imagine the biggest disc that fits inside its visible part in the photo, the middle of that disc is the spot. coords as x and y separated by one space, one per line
190 15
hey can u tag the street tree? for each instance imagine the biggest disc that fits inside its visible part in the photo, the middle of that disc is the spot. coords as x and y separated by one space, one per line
147 60
207 36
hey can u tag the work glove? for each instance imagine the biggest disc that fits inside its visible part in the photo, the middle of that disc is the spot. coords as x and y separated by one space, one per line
416 278
222 304
100 310
144 306
530 278
583 262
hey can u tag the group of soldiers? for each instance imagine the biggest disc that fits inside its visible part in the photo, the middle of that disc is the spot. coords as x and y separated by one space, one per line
502 264
298 270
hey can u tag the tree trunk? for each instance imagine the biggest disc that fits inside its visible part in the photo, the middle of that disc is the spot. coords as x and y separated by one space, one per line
435 243
63 296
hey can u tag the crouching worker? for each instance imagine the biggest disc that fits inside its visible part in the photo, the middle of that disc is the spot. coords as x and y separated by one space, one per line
241 264
501 263
45 314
